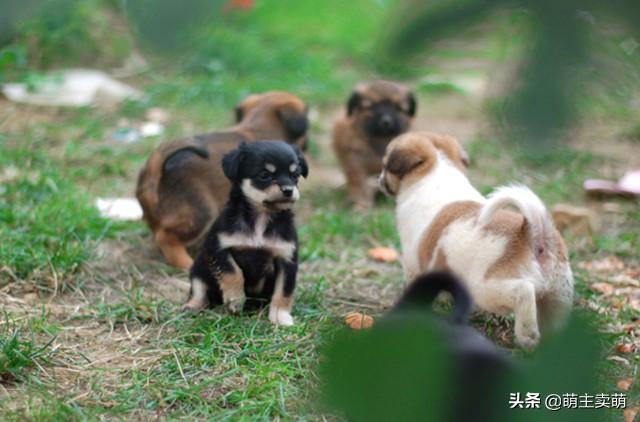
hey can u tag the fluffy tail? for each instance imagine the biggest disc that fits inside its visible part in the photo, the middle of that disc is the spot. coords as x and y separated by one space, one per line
424 289
540 224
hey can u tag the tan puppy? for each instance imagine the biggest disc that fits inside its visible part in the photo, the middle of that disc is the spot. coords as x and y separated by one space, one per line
182 187
511 261
376 112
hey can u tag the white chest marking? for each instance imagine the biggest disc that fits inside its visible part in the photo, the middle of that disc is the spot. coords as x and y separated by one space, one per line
257 240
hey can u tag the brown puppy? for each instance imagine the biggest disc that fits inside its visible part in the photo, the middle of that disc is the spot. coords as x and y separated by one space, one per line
182 187
377 112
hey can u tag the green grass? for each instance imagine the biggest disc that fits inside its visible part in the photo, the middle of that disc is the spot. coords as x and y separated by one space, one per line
331 229
262 373
46 219
20 351
122 348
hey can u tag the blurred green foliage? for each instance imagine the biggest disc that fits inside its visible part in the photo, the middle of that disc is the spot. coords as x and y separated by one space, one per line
201 51
305 47
557 67
38 34
393 373
401 370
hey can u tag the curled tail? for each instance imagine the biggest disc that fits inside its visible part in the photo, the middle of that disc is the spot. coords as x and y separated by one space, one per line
540 224
424 289
150 176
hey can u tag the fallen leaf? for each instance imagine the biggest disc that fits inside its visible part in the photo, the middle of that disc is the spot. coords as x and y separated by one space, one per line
604 288
624 384
358 321
238 5
618 359
607 264
635 273
618 304
626 348
383 254
631 413
624 279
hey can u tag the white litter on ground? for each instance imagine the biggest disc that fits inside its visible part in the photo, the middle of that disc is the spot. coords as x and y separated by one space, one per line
151 129
119 208
73 88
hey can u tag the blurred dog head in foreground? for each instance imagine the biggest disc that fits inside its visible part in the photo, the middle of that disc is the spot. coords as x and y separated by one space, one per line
416 364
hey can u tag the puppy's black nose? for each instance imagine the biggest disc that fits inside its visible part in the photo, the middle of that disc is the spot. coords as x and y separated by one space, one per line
287 191
386 121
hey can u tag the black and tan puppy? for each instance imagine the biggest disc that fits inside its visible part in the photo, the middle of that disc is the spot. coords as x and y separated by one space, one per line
479 369
376 112
413 353
252 248
182 187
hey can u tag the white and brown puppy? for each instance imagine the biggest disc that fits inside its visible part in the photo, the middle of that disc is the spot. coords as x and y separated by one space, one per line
512 261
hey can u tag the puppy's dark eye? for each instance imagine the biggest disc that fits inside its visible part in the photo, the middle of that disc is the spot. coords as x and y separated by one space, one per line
265 175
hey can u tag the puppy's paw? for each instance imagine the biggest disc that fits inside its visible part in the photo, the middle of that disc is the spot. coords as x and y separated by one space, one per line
361 206
194 306
528 340
279 316
235 305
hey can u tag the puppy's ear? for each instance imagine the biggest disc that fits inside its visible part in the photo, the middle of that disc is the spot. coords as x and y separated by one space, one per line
354 102
464 157
453 150
231 163
238 112
413 105
302 162
295 123
401 162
